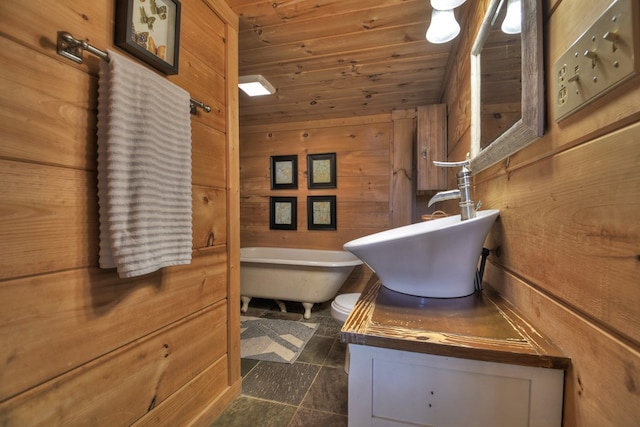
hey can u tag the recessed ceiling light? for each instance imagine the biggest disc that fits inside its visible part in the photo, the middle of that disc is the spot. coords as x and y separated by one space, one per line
255 85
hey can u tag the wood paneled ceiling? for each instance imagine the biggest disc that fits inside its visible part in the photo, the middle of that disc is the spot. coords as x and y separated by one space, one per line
338 58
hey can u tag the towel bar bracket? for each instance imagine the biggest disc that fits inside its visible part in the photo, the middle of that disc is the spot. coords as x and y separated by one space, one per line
69 47
72 48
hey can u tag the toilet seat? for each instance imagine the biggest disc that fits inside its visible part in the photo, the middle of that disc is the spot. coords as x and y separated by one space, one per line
342 306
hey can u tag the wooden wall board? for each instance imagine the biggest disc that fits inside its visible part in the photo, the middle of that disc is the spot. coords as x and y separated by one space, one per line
313 239
128 382
210 225
431 145
250 128
69 328
366 216
576 238
601 384
363 178
208 156
208 87
352 189
402 178
57 233
234 378
197 19
194 398
68 220
565 248
56 322
222 9
91 21
58 120
617 109
319 139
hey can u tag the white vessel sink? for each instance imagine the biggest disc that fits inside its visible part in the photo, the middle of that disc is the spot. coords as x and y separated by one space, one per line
433 259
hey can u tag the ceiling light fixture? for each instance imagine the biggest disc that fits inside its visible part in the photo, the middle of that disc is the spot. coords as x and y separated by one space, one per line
512 23
446 4
255 85
443 27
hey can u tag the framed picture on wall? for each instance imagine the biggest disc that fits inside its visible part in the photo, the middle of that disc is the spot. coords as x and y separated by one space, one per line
284 172
321 170
150 31
283 213
321 212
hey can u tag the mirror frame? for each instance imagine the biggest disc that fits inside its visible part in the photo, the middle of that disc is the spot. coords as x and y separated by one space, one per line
531 123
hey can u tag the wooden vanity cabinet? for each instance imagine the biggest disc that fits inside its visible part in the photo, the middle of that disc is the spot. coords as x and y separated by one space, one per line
445 362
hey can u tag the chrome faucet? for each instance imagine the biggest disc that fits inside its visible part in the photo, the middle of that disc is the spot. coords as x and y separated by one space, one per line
464 192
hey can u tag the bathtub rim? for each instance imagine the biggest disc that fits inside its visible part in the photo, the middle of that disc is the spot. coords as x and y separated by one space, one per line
277 256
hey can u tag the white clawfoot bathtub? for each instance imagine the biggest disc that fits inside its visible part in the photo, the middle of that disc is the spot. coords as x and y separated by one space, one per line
308 276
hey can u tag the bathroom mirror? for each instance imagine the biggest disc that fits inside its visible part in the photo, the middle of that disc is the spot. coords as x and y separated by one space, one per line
507 84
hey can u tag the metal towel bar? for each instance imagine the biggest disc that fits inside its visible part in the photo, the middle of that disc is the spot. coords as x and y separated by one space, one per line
72 48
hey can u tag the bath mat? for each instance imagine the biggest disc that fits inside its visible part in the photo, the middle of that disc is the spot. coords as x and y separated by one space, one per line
273 340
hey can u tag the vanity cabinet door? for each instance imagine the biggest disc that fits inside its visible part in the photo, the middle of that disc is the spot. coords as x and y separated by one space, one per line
424 395
431 145
399 388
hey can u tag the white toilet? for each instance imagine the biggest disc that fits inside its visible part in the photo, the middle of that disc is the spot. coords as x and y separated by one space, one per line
341 307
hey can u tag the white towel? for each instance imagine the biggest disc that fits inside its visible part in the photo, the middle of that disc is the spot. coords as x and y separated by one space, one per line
144 169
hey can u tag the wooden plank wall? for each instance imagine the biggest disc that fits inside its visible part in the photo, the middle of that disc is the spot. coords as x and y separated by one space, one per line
363 156
566 250
80 346
403 180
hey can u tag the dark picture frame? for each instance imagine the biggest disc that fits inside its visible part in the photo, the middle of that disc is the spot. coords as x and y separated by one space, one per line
284 172
150 31
321 170
321 213
283 213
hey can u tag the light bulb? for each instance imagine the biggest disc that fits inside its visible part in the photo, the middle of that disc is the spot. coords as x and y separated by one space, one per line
446 4
443 27
512 23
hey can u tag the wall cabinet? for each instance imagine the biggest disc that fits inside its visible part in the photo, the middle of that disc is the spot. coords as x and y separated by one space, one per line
431 145
394 388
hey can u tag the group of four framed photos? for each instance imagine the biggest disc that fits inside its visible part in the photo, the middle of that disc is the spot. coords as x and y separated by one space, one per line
321 210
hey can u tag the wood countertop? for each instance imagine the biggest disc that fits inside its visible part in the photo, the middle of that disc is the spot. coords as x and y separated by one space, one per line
479 327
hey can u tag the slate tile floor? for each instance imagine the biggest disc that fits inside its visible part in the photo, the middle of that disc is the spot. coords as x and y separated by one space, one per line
310 392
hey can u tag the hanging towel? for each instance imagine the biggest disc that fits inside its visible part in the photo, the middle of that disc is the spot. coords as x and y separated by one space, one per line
144 169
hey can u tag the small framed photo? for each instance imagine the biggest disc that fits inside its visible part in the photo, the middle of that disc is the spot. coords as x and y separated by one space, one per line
150 31
283 213
321 170
284 172
321 212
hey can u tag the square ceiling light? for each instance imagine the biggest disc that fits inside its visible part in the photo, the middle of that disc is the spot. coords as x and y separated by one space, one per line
255 85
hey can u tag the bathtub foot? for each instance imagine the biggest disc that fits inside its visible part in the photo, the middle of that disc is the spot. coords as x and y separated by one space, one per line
307 309
283 308
245 303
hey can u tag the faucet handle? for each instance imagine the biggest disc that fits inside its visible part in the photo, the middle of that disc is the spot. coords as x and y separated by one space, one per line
451 164
464 163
